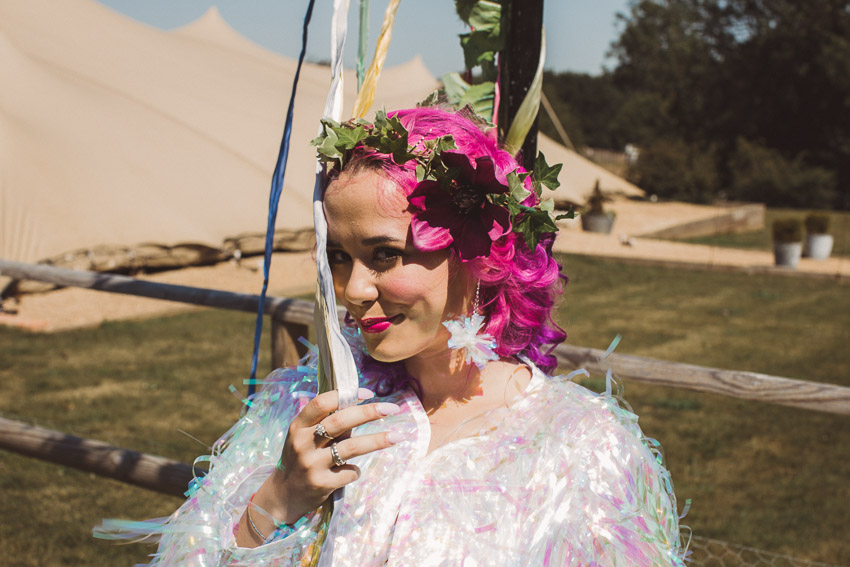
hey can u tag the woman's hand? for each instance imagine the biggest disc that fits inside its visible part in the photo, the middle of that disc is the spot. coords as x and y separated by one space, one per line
308 473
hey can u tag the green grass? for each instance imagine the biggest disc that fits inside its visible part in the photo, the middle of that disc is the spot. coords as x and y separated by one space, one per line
761 239
765 476
132 384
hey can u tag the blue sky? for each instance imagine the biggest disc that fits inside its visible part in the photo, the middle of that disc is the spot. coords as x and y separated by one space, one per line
578 32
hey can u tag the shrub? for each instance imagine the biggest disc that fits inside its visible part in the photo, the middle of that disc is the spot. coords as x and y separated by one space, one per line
673 169
762 175
817 223
786 230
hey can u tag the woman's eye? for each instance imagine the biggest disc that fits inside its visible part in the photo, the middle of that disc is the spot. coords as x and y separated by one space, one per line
337 257
387 255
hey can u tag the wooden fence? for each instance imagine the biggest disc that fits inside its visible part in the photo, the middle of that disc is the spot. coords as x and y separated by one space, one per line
291 319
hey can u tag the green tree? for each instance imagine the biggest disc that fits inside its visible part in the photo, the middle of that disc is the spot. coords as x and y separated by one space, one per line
792 72
673 49
775 73
589 102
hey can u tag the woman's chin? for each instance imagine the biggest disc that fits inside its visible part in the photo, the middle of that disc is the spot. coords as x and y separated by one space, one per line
389 349
385 355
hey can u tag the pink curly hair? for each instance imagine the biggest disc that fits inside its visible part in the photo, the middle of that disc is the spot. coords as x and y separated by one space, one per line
519 287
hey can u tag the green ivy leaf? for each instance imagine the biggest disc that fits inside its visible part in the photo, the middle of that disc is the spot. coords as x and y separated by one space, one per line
446 142
431 100
464 8
480 97
518 192
545 174
326 147
381 119
479 47
486 16
399 151
533 224
571 214
347 138
504 200
394 124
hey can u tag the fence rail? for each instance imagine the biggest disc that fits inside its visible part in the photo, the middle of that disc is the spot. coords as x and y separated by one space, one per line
816 396
291 319
139 469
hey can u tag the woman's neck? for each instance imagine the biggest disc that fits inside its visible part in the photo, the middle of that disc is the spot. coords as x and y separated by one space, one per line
455 394
444 378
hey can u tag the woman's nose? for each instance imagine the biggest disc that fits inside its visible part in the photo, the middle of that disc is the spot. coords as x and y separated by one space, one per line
361 287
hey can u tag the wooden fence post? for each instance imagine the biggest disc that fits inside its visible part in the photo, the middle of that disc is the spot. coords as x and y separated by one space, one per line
287 350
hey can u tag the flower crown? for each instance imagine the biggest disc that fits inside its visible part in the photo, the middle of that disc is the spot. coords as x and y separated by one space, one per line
456 202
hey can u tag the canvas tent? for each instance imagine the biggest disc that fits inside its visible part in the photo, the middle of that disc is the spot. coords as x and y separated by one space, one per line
122 144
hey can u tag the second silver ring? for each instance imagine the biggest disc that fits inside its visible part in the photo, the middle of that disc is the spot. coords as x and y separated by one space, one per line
338 462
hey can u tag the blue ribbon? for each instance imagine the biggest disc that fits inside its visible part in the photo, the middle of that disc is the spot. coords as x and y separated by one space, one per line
274 199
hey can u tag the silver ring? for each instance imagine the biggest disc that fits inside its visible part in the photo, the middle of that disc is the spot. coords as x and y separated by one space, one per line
338 462
322 432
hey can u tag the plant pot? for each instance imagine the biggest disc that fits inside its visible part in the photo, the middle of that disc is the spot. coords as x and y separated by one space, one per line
788 253
818 246
598 222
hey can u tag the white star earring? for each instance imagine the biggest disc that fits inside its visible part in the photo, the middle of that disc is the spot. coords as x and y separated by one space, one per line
466 334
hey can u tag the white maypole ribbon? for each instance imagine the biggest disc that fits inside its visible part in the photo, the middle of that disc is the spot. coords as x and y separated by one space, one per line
337 369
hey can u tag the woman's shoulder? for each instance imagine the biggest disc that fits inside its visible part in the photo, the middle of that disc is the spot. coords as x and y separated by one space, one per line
596 437
592 423
562 394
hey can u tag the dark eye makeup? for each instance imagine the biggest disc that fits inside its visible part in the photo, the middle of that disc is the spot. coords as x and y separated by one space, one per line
336 256
386 254
382 257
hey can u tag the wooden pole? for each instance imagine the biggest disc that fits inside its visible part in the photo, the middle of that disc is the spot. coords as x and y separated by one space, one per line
733 383
523 22
139 469
297 310
287 350
291 318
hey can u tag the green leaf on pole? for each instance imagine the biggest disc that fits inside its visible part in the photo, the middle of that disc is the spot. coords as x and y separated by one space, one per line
545 174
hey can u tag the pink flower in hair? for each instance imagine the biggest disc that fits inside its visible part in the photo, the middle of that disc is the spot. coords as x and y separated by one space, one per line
459 212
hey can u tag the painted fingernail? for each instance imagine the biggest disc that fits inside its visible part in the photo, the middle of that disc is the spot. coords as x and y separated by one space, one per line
396 437
365 394
386 408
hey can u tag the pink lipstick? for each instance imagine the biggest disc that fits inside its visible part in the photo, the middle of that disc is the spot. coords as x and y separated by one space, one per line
377 324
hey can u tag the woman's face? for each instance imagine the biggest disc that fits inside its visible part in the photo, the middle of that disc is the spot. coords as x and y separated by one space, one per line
398 295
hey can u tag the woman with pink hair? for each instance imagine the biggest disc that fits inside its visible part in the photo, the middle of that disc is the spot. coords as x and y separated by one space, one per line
464 450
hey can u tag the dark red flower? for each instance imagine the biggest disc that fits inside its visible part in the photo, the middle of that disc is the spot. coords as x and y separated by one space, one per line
459 212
